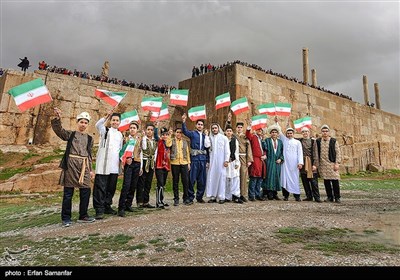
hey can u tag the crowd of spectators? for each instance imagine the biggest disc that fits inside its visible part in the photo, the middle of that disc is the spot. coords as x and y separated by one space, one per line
205 68
164 89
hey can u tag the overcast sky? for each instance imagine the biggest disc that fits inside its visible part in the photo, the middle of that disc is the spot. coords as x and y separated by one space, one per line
160 41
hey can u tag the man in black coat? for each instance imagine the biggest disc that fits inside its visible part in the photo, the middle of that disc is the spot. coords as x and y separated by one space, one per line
24 64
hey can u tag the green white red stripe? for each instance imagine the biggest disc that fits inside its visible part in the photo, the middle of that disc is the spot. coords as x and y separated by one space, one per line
30 94
179 97
127 118
197 113
303 122
259 121
112 98
127 150
162 115
268 109
222 100
240 105
151 103
283 109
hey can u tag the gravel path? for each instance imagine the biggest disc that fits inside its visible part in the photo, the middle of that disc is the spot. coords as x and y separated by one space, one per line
246 234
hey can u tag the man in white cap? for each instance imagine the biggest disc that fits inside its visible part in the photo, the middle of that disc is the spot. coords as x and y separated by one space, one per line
293 155
219 159
245 157
272 183
308 174
329 161
76 166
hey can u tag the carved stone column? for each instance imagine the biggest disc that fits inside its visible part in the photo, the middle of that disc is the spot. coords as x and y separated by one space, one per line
377 96
305 65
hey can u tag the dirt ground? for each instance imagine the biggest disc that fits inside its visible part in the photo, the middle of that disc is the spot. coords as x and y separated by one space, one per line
246 234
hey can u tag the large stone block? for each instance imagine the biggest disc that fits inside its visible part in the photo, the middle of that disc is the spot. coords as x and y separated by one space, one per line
6 187
44 182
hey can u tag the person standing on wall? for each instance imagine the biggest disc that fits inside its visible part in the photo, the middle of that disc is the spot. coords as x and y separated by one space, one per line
24 64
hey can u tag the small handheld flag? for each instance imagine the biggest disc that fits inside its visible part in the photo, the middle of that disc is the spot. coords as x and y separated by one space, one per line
222 100
283 109
151 103
30 94
197 113
112 98
127 118
268 109
240 105
303 122
179 97
162 115
259 121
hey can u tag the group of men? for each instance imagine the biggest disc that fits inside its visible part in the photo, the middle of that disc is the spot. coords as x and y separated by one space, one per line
223 165
244 166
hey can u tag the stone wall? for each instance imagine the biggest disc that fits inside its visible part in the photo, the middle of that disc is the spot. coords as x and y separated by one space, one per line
366 134
72 95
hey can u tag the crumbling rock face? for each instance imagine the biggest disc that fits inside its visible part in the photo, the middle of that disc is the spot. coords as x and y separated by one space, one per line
46 181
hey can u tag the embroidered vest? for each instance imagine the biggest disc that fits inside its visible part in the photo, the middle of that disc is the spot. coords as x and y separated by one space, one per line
184 149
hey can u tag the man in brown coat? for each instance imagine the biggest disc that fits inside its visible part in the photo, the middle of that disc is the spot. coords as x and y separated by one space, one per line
76 165
245 157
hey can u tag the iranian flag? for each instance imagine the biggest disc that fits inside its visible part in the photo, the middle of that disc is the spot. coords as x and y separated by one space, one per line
162 115
127 118
152 103
258 121
303 122
240 105
112 98
127 150
30 94
268 109
222 100
179 97
283 109
197 113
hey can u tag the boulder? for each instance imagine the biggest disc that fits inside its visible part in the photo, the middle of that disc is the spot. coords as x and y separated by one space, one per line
373 167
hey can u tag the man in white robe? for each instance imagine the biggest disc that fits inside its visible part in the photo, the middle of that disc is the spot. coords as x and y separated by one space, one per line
107 164
219 159
232 189
293 155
